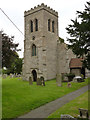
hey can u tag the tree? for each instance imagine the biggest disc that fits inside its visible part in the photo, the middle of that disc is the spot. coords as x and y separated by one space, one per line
61 40
79 33
16 66
9 52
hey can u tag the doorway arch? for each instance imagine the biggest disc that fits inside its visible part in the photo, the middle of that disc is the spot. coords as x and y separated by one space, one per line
34 73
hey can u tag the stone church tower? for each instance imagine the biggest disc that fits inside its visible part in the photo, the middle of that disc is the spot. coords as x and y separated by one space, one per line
41 52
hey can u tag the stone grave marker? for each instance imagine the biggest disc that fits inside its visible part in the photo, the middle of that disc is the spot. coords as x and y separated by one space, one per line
59 80
30 80
42 81
66 79
69 84
39 81
4 76
67 117
11 75
83 113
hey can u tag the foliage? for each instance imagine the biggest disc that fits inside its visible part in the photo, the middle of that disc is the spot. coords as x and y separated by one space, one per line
4 71
16 66
9 50
10 58
70 76
61 40
80 35
18 97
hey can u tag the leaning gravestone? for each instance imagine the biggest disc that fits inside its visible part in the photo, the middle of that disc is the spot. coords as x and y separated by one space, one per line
30 80
39 81
59 80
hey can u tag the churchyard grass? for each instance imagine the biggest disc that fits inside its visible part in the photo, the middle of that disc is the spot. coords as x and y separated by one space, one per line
72 108
18 97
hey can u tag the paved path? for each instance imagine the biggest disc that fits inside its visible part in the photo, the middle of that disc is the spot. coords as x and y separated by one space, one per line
45 110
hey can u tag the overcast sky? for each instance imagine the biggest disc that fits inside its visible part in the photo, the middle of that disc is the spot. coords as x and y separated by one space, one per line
15 10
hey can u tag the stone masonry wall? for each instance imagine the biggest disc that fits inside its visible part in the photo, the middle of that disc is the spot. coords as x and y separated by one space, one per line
64 56
51 57
46 43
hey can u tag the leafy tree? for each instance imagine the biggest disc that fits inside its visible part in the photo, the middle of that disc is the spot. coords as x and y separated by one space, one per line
79 33
16 66
0 51
9 52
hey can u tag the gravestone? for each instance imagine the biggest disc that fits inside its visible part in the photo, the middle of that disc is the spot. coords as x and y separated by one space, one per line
59 80
66 79
30 80
67 117
83 113
74 80
42 81
19 75
4 76
11 75
39 81
69 84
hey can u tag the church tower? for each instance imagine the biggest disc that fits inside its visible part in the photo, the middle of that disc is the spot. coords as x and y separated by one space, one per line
40 44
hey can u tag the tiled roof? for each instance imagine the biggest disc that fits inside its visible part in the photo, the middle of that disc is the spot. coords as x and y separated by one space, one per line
76 63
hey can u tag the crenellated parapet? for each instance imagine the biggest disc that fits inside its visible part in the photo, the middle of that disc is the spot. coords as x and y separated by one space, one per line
40 7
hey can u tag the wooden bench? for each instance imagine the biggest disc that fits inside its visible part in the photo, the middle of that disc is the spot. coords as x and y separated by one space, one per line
83 113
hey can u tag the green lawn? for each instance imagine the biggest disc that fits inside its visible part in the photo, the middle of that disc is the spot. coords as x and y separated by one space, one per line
18 97
72 107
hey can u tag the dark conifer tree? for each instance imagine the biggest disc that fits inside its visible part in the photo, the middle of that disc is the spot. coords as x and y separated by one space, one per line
79 33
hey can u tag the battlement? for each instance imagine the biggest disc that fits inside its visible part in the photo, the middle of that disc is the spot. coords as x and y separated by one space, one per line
40 7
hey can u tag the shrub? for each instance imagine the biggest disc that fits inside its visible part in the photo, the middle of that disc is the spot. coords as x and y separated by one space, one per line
70 76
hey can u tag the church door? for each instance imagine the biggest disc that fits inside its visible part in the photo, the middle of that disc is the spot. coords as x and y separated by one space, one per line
34 73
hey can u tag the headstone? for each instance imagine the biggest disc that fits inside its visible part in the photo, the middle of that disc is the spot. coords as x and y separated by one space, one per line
16 75
74 80
39 81
4 76
43 81
69 84
30 80
67 117
11 75
19 75
83 113
66 79
59 80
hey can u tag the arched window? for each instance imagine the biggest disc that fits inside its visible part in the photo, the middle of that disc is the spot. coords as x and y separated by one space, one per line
31 25
52 26
48 24
36 25
33 50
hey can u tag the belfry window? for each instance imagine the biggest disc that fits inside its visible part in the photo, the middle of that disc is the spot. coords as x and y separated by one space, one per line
31 24
36 25
33 50
48 24
52 26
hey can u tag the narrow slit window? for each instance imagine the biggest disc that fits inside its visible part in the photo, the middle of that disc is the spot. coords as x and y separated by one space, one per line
31 22
33 50
53 26
36 25
48 24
